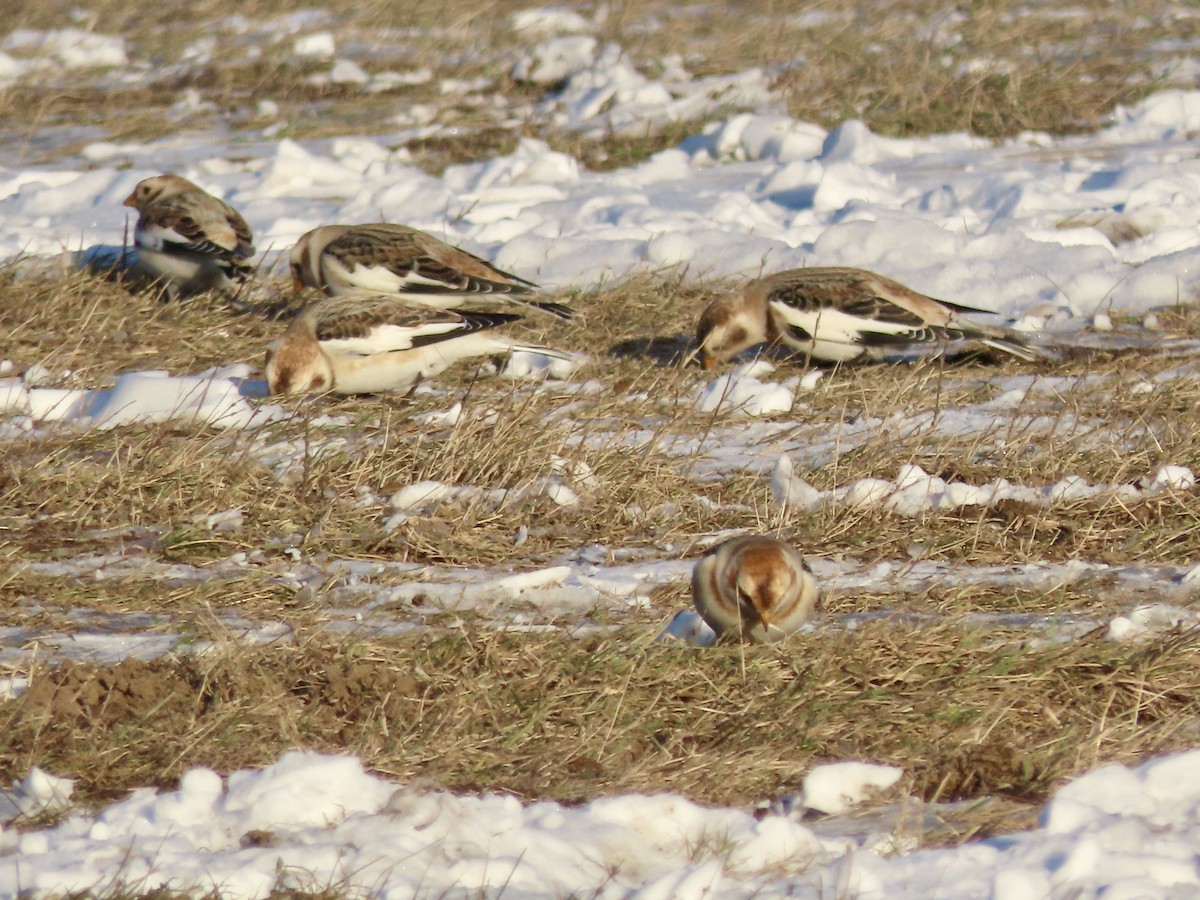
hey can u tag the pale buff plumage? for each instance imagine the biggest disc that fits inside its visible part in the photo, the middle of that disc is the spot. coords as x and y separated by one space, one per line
836 314
189 239
366 345
754 588
383 258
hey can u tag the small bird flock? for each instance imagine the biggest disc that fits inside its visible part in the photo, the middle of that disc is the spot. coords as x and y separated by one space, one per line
400 305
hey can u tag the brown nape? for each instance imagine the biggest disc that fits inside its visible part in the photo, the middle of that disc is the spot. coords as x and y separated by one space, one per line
712 317
284 383
281 384
736 337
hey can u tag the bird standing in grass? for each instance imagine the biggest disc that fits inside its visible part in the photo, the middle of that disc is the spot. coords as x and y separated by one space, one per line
365 345
404 262
754 588
189 239
837 314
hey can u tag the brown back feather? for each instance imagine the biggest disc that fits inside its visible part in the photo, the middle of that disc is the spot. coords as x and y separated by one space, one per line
386 244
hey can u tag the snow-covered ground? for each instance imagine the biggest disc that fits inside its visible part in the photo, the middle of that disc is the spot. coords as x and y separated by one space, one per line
311 822
1055 235
1025 228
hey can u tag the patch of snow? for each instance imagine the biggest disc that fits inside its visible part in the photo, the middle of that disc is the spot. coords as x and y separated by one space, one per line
319 44
549 20
70 48
36 793
948 214
834 788
529 363
915 491
687 626
1112 830
606 94
742 392
218 397
556 60
1153 618
790 490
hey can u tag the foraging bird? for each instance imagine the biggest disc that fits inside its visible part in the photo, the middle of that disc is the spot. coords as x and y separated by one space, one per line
363 345
836 314
754 588
394 259
188 238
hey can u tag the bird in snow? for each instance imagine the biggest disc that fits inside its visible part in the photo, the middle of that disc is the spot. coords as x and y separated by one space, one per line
754 588
837 314
188 238
392 259
363 345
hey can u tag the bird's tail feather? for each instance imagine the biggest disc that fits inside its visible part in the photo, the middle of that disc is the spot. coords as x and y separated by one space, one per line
558 310
1001 339
483 302
553 353
1012 345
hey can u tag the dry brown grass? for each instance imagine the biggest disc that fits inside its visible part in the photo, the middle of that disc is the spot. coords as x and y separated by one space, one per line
637 431
1103 430
967 715
969 712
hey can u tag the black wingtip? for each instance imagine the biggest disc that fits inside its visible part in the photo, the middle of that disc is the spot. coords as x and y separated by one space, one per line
557 310
237 271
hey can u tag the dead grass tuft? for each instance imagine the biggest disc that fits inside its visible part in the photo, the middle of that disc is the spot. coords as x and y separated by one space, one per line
966 715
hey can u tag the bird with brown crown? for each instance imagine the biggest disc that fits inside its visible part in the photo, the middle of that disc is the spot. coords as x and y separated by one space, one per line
754 588
838 314
366 345
403 262
189 239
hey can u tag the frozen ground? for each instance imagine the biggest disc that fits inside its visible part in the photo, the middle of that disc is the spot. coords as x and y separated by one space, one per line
1058 236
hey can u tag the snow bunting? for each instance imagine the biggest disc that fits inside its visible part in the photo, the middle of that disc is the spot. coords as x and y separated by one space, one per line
836 314
404 262
364 345
188 238
754 587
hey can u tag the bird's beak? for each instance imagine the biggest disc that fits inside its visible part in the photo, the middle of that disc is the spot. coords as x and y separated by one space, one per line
131 200
705 359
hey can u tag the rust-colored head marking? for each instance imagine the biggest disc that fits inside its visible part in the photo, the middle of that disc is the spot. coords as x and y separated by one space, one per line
295 367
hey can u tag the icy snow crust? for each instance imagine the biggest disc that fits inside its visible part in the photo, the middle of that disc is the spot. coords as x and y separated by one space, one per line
311 821
1053 234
